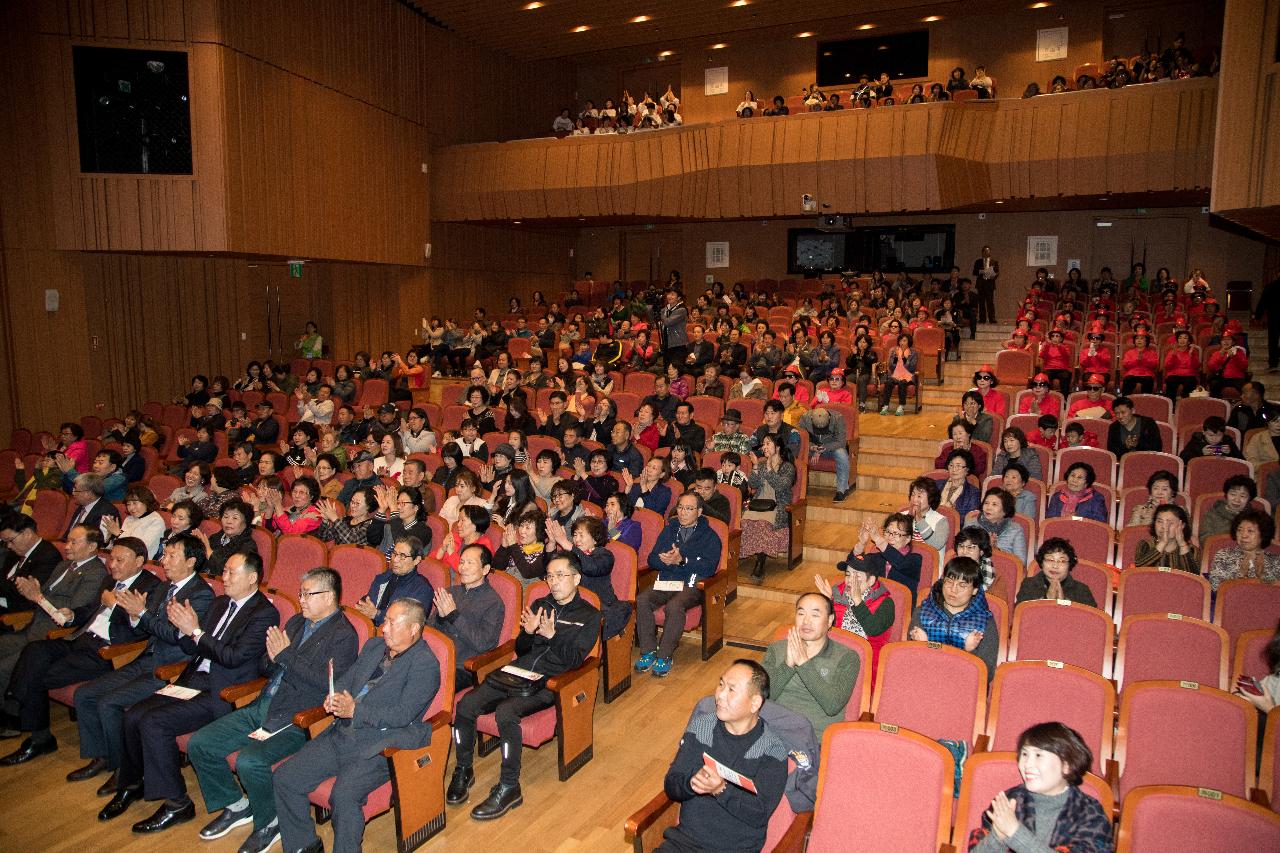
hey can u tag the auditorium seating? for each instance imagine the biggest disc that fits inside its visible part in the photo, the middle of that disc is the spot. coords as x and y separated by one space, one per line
1161 818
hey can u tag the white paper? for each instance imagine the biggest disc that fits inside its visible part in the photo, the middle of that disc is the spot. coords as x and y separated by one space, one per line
715 81
520 672
177 692
668 586
1051 44
262 734
729 775
48 607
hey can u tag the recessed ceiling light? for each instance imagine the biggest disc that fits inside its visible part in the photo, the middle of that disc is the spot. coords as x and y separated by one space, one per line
515 222
931 19
664 54
640 19
740 3
1039 5
804 35
529 7
999 202
866 26
581 28
719 46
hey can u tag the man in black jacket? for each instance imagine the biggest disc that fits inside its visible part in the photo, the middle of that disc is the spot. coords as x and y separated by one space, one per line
265 429
296 666
48 664
557 634
701 352
225 647
100 704
715 813
25 555
1131 431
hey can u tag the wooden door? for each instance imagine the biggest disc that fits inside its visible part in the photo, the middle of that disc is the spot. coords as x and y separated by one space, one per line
651 255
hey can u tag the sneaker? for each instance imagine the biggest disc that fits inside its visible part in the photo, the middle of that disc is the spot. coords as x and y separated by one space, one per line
228 820
662 667
884 410
646 662
261 840
898 412
437 375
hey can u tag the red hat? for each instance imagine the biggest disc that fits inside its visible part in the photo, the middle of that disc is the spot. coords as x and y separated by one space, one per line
1179 320
1210 301
1096 379
1040 377
837 371
1233 327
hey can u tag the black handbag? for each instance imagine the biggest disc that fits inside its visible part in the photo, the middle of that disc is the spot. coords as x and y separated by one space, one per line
514 685
762 505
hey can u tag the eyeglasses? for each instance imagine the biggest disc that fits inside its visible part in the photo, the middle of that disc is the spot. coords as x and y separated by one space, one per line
559 576
1040 385
303 594
405 503
956 582
396 554
7 540
985 377
1094 387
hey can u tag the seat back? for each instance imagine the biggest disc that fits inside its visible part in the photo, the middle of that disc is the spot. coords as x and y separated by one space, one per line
1179 817
1138 465
1269 775
907 680
296 555
286 605
651 525
1206 474
1155 406
1245 605
870 770
625 565
50 511
1250 654
1102 461
511 593
1091 539
1025 693
1162 590
901 609
436 571
362 624
1192 411
987 774
358 565
266 545
1063 631
442 647
1157 646
860 699
162 485
1183 733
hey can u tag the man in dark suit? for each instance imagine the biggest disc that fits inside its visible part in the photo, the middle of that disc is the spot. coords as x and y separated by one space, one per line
47 664
225 647
297 668
379 703
986 270
100 704
25 555
73 586
87 492
675 339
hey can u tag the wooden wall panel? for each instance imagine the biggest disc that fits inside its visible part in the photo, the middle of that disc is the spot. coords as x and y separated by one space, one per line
474 266
916 158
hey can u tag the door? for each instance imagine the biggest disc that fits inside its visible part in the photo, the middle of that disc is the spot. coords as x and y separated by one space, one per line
650 255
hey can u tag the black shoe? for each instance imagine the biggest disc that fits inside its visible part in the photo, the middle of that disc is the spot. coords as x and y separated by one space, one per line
841 495
260 840
227 820
502 799
166 816
108 788
124 798
93 768
28 751
757 573
459 785
316 846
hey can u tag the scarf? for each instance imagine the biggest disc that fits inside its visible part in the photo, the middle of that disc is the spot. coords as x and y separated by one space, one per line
943 626
993 529
1069 502
850 621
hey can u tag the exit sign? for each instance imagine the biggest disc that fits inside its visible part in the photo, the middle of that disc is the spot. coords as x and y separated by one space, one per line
295 269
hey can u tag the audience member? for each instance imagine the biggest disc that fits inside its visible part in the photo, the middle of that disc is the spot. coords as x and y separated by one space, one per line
955 612
1247 557
808 672
1057 560
1076 497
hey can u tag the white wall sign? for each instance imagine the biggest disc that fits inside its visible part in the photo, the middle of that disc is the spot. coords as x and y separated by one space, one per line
717 255
716 81
1051 44
1042 251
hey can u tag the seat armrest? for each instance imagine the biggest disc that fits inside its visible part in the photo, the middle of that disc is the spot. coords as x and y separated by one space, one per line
59 633
486 662
1259 796
170 671
1113 779
565 680
716 585
645 579
18 621
240 695
983 744
312 721
657 814
120 650
866 717
793 841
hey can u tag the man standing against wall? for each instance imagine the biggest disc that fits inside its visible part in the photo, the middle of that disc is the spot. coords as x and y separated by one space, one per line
675 340
986 270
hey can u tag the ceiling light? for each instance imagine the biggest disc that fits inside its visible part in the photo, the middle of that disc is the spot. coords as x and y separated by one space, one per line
931 19
664 54
740 3
1103 224
866 26
719 46
529 7
640 19
1039 5
581 28
804 35
515 222
999 201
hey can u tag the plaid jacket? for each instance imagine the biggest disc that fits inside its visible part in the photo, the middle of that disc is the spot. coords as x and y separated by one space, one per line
1082 827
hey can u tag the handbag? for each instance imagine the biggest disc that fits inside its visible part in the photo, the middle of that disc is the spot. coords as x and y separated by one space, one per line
513 685
762 505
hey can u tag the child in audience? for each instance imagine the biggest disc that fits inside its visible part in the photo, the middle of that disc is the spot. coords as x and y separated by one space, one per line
730 472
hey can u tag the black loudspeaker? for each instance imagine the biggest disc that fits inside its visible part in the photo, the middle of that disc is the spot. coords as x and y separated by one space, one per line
133 110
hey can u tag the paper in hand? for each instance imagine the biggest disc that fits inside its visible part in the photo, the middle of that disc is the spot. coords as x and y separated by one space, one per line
47 607
330 676
729 775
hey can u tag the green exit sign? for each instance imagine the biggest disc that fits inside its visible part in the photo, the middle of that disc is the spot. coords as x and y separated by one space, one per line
295 269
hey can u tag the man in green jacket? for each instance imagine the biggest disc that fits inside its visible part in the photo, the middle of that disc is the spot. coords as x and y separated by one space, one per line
809 672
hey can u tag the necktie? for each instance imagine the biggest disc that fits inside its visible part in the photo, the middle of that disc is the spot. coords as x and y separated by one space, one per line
226 620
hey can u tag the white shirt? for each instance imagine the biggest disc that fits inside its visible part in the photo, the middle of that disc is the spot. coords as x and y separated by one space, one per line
18 562
101 624
316 411
177 587
562 123
222 625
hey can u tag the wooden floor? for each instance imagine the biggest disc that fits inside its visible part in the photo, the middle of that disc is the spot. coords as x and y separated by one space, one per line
635 739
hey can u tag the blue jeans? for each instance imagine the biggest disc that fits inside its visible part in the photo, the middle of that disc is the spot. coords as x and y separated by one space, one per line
841 455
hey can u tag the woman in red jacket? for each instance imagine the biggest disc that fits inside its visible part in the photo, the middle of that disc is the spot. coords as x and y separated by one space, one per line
1181 367
1038 402
1055 360
984 379
1094 356
863 605
1138 366
1228 366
